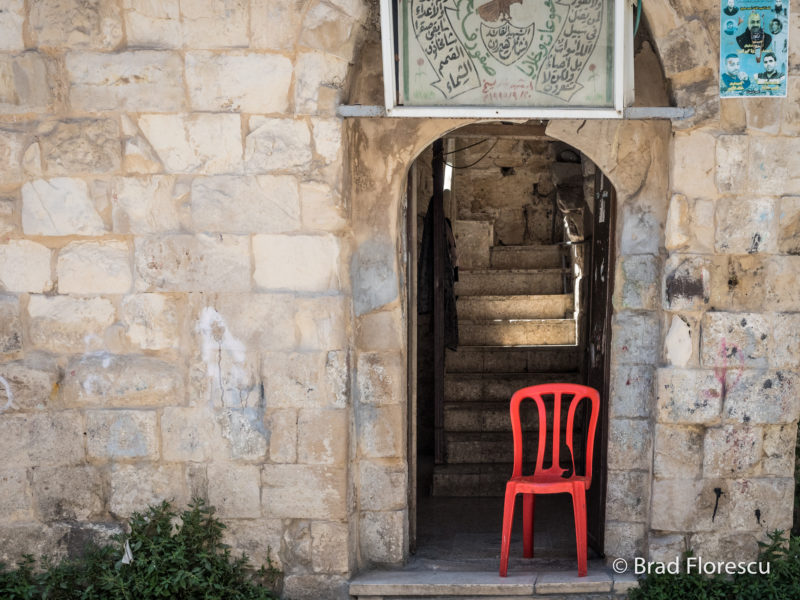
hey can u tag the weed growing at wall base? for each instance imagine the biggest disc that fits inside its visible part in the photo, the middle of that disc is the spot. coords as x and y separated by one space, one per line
174 556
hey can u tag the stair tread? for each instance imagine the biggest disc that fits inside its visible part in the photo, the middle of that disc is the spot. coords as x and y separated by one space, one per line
513 271
513 297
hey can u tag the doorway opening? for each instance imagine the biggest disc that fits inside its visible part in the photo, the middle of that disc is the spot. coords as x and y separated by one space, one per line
522 270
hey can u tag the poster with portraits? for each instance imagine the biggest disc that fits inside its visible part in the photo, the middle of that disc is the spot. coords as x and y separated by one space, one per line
754 48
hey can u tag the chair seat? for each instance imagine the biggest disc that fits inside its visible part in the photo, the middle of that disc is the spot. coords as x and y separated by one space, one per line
547 484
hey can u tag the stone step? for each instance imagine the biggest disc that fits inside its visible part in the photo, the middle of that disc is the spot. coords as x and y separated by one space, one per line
471 479
517 332
510 282
526 257
477 359
487 387
487 448
493 416
551 306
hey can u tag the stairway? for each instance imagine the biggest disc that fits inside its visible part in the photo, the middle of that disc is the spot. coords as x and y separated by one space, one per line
517 327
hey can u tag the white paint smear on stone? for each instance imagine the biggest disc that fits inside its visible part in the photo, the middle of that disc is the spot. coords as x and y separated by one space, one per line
9 396
678 342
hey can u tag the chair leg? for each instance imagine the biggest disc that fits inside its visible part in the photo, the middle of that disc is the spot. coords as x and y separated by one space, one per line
579 510
508 518
527 524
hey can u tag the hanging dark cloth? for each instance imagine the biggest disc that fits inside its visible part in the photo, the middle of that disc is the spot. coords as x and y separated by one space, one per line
425 278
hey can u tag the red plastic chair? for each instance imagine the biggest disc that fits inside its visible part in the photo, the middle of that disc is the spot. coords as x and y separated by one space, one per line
550 480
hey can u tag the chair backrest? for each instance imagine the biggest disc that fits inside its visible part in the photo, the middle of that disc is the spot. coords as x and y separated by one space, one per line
558 390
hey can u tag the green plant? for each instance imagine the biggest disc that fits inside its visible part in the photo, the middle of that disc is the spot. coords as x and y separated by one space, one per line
174 556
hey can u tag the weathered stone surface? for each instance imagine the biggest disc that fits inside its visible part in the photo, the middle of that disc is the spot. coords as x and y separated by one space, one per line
327 136
628 496
25 267
687 282
681 343
299 263
74 24
11 25
214 24
732 451
732 163
143 80
79 146
144 484
197 143
734 548
761 396
310 586
783 345
380 331
249 83
329 544
190 434
138 154
304 492
249 204
690 225
635 337
26 85
746 226
693 164
666 548
779 443
738 283
474 240
372 275
15 494
305 380
59 206
234 490
763 115
259 539
382 485
8 215
321 207
321 323
789 225
380 378
624 540
687 505
782 292
322 437
632 389
36 539
688 396
380 431
10 325
297 546
193 263
64 324
152 321
319 80
121 381
637 280
629 444
774 498
68 493
115 434
27 384
771 169
153 24
142 205
94 268
282 425
275 24
277 144
37 439
382 535
243 428
734 340
12 142
678 452
327 29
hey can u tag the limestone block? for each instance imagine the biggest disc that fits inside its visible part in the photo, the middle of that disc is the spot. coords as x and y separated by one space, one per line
33 538
629 444
258 539
381 330
732 154
761 397
27 83
382 535
321 323
121 381
382 485
31 382
304 492
322 437
687 281
144 80
282 425
734 340
152 321
732 451
789 225
297 546
632 388
373 278
678 452
676 234
746 226
779 443
380 378
13 16
138 154
771 168
136 486
319 80
329 542
666 548
94 268
790 116
327 135
12 142
8 215
244 430
249 204
79 146
73 24
204 143
15 495
37 439
311 586
628 496
637 279
305 380
115 434
327 29
25 267
687 505
249 83
381 431
10 325
624 540
234 490
634 339
190 434
354 8
473 239
693 163
277 144
782 292
322 208
153 24
68 493
193 263
219 24
774 498
275 24
641 230
783 347
739 283
145 205
59 206
299 263
728 548
689 396
64 324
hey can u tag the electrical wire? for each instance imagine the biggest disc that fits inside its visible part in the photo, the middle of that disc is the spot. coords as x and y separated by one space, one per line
465 147
476 162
